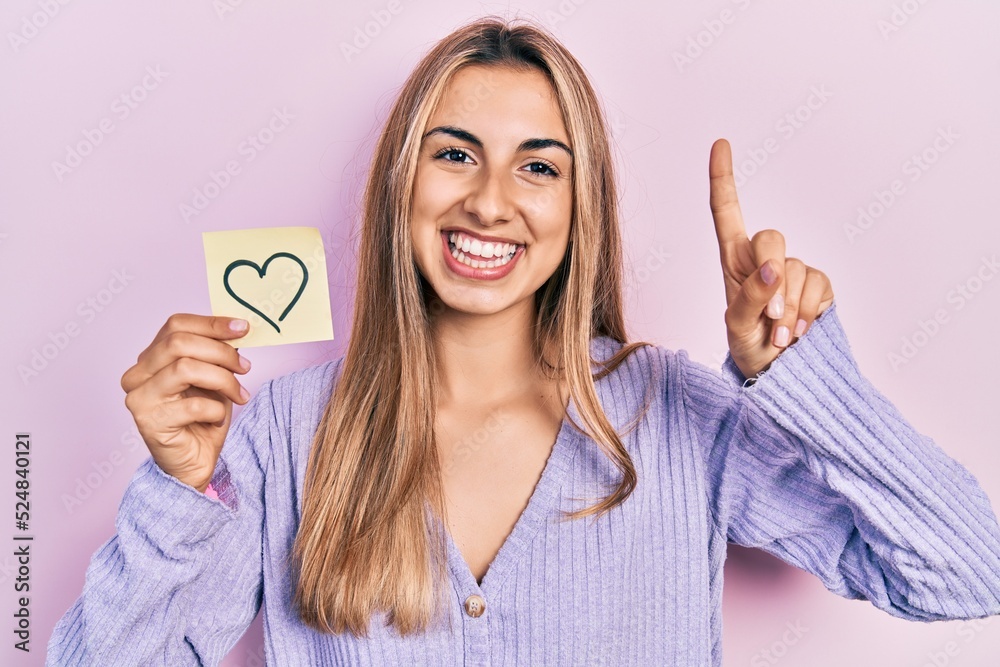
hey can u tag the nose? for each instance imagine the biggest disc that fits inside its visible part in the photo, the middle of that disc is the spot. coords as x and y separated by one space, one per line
490 199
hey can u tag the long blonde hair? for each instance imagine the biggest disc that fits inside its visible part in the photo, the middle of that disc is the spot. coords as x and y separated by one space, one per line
365 542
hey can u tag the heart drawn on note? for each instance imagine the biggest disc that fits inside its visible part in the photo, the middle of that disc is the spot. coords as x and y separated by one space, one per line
261 272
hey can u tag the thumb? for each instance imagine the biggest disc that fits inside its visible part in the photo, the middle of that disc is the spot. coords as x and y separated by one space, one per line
756 291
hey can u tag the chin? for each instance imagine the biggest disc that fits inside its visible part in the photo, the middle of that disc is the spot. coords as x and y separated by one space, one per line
467 300
475 306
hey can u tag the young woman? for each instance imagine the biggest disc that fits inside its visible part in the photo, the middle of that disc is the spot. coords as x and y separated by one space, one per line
492 474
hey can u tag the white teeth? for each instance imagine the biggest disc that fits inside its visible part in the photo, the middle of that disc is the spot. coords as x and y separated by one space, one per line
477 264
478 254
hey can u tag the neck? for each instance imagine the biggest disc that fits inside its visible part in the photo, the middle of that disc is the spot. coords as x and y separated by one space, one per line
484 359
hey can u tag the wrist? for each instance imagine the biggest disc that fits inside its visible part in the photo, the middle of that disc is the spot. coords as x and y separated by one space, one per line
751 375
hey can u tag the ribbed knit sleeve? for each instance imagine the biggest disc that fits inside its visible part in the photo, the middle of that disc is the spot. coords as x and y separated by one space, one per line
181 579
814 465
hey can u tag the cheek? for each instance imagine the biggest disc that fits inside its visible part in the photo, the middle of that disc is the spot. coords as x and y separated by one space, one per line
419 220
423 213
418 203
554 219
432 195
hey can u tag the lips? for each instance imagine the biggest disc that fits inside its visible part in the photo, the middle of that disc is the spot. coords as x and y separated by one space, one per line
477 265
480 237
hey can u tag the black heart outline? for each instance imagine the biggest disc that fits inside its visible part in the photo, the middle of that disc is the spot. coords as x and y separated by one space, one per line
261 272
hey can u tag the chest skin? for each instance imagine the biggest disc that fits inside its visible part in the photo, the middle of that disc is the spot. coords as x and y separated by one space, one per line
491 460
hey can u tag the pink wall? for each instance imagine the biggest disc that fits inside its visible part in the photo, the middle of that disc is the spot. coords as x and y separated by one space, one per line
169 92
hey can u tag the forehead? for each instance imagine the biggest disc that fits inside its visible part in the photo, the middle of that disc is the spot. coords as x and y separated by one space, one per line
501 102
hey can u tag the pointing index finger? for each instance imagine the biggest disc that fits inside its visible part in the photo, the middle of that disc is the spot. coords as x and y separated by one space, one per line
725 206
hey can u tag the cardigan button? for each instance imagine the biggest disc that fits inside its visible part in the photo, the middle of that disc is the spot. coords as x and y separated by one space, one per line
475 605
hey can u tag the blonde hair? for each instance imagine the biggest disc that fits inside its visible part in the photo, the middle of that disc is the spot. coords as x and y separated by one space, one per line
364 543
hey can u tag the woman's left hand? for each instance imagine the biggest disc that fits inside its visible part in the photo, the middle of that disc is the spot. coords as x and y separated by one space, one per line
772 299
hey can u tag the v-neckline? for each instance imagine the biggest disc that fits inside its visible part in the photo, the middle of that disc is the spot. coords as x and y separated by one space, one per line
542 498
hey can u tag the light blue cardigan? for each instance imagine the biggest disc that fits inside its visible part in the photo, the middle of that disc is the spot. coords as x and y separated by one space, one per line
811 463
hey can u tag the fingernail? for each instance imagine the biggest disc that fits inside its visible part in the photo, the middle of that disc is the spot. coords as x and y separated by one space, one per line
800 327
767 273
776 306
781 336
244 394
238 325
244 363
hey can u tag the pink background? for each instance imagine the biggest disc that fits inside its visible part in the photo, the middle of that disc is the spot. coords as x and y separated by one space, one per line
887 94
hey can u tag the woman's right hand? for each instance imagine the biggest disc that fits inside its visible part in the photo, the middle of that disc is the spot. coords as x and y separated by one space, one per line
181 392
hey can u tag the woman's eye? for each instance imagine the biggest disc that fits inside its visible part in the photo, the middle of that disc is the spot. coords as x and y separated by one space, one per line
450 153
546 169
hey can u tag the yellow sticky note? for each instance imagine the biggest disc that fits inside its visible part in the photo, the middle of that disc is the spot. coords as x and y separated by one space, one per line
275 278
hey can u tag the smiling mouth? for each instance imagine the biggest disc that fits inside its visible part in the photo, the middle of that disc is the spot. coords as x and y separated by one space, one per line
479 255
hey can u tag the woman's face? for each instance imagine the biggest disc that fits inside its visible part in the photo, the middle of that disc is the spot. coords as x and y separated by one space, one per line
493 196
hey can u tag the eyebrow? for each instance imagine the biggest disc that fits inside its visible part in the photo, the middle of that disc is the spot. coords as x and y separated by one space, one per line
526 145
